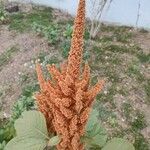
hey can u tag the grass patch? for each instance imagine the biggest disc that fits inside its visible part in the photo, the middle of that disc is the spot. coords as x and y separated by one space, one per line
123 37
144 58
111 28
139 123
51 60
23 21
116 48
119 33
47 59
112 75
6 56
133 71
42 56
65 48
51 32
97 49
141 143
127 109
28 90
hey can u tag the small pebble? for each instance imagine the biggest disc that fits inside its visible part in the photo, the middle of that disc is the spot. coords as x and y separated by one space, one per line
31 67
25 64
105 92
5 115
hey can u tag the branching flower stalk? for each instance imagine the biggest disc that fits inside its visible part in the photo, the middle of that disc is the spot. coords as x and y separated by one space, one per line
66 101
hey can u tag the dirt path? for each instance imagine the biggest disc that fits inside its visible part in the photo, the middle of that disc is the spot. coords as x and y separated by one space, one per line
29 46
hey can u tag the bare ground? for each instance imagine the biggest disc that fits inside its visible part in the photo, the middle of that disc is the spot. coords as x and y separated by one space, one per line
29 48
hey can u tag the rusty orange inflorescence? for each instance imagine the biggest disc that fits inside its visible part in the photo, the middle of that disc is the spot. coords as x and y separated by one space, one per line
66 101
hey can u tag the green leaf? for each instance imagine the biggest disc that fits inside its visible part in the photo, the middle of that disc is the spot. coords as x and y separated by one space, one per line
118 144
95 134
95 137
26 143
2 18
2 145
32 123
93 119
31 132
54 141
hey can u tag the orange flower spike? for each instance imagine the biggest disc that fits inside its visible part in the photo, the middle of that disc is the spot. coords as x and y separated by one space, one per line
75 55
43 106
84 83
91 94
73 125
79 98
86 72
40 76
63 68
55 72
66 101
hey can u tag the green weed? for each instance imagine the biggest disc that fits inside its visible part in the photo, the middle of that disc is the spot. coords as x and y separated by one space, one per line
104 114
2 145
133 71
25 102
23 21
139 123
65 48
41 56
127 109
87 35
86 55
111 28
144 58
99 53
47 59
3 14
68 31
117 48
51 32
28 90
51 60
123 37
140 142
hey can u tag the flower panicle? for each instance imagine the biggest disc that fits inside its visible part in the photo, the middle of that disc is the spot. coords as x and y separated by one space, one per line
75 55
67 99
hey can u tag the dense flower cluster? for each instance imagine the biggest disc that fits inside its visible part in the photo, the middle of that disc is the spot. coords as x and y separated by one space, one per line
66 101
